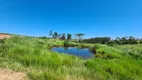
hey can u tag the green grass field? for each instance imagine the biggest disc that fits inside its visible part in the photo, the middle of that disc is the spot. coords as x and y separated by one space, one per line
34 57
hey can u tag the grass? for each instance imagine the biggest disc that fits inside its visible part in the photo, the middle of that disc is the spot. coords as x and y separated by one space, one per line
116 69
34 57
134 51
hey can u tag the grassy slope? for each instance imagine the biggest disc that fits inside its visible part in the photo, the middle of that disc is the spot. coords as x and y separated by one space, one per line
34 57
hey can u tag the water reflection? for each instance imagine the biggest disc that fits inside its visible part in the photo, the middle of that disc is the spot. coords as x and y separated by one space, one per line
80 52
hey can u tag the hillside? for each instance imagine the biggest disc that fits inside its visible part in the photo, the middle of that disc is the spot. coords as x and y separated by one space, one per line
34 57
5 35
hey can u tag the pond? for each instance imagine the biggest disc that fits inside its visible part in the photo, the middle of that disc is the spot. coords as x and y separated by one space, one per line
80 52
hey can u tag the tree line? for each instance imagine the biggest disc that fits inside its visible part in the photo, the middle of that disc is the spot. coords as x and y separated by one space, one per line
63 36
99 40
117 40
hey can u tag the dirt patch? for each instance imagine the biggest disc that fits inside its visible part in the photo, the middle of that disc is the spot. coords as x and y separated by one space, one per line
6 74
2 36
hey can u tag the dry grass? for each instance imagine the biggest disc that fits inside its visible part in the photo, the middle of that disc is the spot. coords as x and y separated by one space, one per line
6 74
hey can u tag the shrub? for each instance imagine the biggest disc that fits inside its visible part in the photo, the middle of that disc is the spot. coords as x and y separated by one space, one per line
93 49
66 44
2 40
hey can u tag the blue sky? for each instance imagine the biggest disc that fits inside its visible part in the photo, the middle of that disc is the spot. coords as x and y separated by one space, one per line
92 17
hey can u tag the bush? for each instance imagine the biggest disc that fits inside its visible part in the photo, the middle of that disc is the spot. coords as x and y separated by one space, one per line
1 40
66 44
93 49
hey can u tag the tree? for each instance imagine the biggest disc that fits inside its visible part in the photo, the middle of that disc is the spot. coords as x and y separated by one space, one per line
140 41
100 40
69 36
63 36
55 35
79 35
117 40
50 33
124 40
59 36
132 40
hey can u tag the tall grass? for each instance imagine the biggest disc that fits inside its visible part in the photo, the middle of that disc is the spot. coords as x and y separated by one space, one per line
33 56
134 51
117 69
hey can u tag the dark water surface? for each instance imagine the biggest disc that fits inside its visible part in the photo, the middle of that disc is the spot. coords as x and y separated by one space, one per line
84 53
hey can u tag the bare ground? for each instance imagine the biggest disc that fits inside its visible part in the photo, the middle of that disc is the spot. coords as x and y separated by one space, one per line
2 36
6 74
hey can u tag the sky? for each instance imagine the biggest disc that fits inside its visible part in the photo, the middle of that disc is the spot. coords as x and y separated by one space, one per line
94 18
